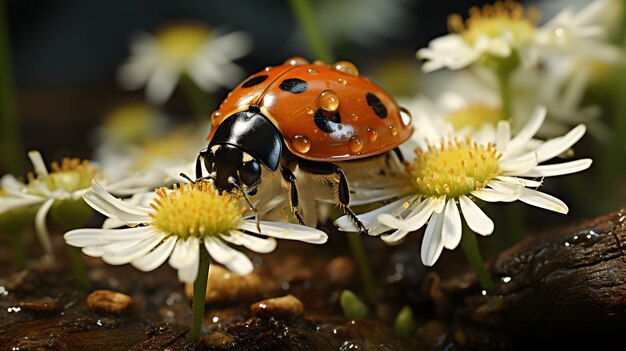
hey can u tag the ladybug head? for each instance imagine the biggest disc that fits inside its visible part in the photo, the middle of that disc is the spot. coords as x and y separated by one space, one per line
232 169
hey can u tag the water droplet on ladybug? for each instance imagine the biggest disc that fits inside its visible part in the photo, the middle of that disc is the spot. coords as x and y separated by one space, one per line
346 67
393 130
296 61
342 81
371 135
312 70
328 100
216 114
319 63
267 69
356 143
406 116
355 117
309 111
301 143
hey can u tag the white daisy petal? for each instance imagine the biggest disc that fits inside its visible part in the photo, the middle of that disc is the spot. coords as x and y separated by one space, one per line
125 234
519 181
85 237
452 226
161 84
475 218
503 135
103 202
370 218
559 169
189 272
432 244
156 257
394 237
285 231
526 133
543 200
232 259
11 203
250 242
38 164
181 255
41 228
418 216
131 252
557 146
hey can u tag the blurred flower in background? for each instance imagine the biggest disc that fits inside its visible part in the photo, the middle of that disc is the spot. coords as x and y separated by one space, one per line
193 51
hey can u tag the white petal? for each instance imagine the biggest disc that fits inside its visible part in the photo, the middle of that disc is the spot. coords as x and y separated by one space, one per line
543 200
432 245
559 169
136 233
41 228
11 203
503 135
232 259
250 242
189 272
520 181
38 165
519 164
127 254
493 195
156 257
370 218
103 202
416 219
555 147
475 218
394 237
181 254
286 231
85 237
452 226
526 133
161 84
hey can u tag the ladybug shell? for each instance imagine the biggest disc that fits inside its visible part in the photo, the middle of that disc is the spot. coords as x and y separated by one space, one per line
366 122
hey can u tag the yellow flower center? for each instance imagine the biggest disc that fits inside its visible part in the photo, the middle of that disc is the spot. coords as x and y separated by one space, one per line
454 168
72 175
493 20
181 43
197 210
475 116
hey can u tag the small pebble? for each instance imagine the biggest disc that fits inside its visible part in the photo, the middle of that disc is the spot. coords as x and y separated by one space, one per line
341 270
218 340
109 301
287 306
226 286
44 304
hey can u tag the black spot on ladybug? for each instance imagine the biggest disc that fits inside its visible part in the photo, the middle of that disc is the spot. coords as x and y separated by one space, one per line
324 123
254 81
379 108
294 85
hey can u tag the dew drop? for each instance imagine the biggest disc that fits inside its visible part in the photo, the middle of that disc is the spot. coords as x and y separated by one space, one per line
309 111
356 143
312 71
319 63
393 130
301 143
296 61
371 135
328 101
267 69
216 114
346 67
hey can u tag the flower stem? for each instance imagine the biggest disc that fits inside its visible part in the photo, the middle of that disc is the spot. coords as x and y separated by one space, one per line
303 11
199 293
515 213
78 266
18 245
9 131
358 251
470 247
202 103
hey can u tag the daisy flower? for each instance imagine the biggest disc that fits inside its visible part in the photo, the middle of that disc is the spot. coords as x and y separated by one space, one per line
177 225
451 174
504 34
59 192
205 56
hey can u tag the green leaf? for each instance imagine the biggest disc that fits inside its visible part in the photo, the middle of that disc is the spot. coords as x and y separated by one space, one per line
352 306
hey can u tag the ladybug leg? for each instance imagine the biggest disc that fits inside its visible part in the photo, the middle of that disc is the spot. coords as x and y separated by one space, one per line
342 191
198 169
290 178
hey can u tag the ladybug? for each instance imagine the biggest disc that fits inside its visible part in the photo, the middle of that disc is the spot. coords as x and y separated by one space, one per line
301 115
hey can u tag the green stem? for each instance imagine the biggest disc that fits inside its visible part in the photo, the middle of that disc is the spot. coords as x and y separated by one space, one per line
358 251
18 245
9 131
506 95
78 266
199 293
303 11
470 247
202 103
